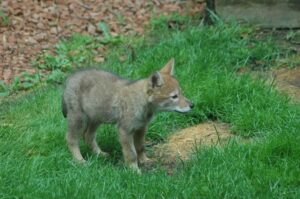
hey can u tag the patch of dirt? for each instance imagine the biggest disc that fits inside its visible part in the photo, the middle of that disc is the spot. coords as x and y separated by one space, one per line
285 80
288 81
34 26
182 144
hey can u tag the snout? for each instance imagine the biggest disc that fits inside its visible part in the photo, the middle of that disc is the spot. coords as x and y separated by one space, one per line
188 105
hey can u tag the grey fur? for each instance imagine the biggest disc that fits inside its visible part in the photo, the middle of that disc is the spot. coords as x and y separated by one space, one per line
93 97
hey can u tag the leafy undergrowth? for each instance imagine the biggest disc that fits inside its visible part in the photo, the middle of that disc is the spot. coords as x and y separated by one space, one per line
35 161
79 51
26 33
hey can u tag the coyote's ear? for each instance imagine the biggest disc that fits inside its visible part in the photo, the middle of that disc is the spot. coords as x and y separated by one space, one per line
169 68
156 80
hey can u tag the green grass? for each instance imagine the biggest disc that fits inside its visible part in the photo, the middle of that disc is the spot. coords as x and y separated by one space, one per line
4 19
35 162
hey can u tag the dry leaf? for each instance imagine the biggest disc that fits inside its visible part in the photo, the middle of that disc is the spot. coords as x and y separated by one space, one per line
99 59
91 29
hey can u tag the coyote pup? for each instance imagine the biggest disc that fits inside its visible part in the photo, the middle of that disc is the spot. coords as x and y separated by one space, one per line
93 97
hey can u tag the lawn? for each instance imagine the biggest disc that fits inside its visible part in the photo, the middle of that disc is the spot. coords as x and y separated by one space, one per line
35 161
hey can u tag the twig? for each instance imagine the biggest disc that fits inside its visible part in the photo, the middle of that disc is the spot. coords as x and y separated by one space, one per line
219 139
84 5
273 80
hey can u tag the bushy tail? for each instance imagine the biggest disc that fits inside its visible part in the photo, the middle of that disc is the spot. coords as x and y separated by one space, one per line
64 107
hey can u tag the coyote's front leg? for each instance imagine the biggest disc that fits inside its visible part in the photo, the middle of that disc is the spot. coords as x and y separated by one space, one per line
139 140
128 149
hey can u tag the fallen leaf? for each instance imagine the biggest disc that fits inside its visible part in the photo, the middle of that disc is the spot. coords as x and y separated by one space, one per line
99 59
91 29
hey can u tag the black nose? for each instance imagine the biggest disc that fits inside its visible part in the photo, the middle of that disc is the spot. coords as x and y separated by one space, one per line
191 104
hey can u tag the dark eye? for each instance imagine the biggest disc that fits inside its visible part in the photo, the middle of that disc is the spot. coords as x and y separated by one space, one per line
174 96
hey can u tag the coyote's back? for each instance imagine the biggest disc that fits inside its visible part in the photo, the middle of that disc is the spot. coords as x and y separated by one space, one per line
90 92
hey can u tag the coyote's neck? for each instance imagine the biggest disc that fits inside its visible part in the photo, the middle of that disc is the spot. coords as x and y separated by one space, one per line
136 103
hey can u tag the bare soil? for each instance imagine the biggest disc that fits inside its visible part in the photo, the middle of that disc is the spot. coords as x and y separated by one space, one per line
288 81
181 145
285 75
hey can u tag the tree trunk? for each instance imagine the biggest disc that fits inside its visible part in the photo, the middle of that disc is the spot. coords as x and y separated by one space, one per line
210 11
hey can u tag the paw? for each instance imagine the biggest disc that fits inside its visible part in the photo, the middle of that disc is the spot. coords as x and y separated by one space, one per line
81 161
102 154
135 168
145 160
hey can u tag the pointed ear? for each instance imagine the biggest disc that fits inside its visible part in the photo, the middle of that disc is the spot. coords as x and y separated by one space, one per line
169 68
156 80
